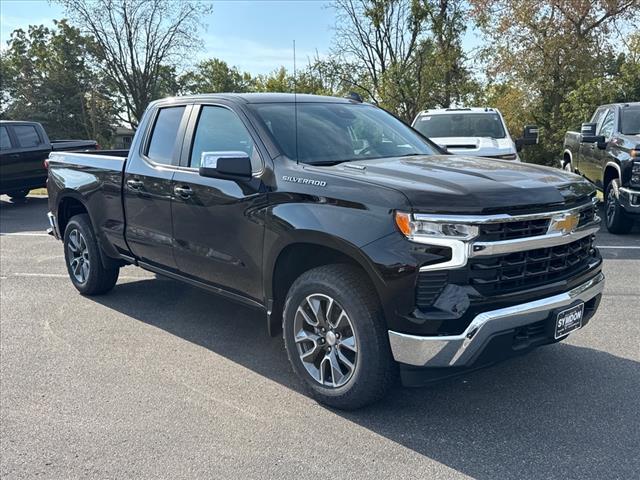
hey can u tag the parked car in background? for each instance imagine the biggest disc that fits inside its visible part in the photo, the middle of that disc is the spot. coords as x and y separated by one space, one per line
607 152
24 147
375 252
480 132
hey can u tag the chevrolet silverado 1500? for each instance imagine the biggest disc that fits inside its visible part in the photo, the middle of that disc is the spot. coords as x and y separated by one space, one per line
373 252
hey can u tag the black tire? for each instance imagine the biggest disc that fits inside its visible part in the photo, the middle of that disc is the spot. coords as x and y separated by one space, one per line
567 167
92 278
616 219
375 371
19 194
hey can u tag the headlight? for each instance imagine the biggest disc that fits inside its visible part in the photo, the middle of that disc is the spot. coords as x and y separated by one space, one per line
635 174
418 230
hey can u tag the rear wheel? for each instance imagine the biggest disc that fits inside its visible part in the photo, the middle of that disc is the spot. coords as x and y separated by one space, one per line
82 256
616 218
19 194
336 338
567 167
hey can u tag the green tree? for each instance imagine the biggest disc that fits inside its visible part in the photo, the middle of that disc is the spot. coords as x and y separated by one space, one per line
214 76
47 76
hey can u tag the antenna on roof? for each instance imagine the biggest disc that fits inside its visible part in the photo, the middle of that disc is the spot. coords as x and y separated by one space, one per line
295 99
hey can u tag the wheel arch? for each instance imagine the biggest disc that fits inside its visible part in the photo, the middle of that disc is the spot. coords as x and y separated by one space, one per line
611 171
567 157
70 204
296 256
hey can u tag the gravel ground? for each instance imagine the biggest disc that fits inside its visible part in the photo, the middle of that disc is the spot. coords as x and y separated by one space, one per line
158 379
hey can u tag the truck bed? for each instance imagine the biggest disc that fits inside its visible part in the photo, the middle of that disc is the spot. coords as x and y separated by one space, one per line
97 177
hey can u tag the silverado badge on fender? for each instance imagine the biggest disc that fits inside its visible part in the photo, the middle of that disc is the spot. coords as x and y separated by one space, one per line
305 181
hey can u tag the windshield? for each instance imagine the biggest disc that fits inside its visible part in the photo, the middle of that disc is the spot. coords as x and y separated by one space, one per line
339 132
631 121
460 125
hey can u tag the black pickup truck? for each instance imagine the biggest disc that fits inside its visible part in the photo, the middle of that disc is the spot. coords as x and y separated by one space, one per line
24 147
607 152
374 251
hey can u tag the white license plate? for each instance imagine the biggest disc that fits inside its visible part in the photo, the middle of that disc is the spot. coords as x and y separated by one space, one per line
569 320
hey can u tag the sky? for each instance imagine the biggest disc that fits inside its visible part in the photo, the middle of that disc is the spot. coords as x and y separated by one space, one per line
254 35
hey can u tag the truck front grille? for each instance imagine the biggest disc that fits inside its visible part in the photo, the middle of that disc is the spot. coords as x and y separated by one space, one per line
509 230
522 270
494 232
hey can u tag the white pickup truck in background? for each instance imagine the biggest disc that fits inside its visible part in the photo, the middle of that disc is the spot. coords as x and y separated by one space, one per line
480 132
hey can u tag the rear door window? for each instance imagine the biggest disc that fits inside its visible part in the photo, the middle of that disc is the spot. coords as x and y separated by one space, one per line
27 135
163 145
5 141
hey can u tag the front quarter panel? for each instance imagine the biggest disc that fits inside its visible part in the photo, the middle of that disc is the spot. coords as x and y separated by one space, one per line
329 211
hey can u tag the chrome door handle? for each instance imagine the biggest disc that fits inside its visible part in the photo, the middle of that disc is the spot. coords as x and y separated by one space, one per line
184 192
135 184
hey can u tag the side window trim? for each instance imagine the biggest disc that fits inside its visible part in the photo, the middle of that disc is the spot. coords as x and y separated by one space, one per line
189 138
144 145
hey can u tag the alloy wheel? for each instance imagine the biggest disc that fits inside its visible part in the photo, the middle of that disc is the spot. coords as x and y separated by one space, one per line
78 256
325 340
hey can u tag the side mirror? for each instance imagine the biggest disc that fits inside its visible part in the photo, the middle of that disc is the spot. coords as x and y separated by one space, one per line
229 165
588 134
529 137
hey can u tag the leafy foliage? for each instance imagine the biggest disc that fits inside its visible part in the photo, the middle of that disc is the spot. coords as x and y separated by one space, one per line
48 76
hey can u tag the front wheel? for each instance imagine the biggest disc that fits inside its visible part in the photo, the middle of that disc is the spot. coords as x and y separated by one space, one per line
617 220
82 256
336 337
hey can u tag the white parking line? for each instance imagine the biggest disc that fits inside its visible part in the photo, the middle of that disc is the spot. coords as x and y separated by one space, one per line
622 247
25 234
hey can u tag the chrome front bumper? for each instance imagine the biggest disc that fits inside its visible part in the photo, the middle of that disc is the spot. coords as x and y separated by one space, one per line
461 350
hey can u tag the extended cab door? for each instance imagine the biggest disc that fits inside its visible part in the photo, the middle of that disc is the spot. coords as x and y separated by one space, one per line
218 223
147 188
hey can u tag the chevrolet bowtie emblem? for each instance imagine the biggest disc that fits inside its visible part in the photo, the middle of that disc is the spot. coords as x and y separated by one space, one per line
564 223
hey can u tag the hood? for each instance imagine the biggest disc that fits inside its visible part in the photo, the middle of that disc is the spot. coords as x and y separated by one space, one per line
477 146
459 184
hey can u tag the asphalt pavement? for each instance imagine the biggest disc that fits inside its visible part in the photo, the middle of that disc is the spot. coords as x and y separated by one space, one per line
161 380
